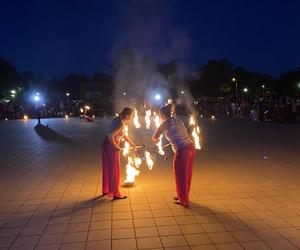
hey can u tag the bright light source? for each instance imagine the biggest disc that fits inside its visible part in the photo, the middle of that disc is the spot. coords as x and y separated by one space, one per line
25 117
233 79
87 107
37 93
81 110
201 116
299 85
182 92
245 90
157 97
66 116
213 117
6 119
13 91
67 94
124 93
263 86
13 96
36 98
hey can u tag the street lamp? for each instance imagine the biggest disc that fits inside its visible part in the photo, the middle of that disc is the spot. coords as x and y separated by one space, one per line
245 90
263 86
182 92
236 86
67 94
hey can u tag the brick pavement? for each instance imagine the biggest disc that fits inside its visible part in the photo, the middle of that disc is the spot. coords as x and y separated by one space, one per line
245 192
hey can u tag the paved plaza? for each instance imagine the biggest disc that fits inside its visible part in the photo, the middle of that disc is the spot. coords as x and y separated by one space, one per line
245 191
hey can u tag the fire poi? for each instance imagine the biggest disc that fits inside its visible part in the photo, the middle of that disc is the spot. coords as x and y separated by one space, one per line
134 162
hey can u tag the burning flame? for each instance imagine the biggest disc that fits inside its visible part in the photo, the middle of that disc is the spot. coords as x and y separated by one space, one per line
136 119
196 132
149 160
131 172
159 146
137 162
157 121
126 145
148 118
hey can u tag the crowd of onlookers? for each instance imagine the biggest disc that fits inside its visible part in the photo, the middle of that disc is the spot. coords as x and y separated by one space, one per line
264 107
257 108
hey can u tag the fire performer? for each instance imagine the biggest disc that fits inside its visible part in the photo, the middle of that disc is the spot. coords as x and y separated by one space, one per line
184 150
111 155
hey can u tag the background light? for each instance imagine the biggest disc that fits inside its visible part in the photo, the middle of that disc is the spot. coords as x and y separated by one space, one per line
13 91
36 98
157 97
67 94
124 93
245 90
182 92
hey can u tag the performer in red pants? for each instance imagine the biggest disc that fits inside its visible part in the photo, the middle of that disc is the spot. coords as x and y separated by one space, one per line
184 149
111 155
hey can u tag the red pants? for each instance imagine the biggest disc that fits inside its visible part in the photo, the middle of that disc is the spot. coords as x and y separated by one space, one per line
183 168
110 169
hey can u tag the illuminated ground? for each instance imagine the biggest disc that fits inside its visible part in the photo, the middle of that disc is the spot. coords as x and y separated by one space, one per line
245 191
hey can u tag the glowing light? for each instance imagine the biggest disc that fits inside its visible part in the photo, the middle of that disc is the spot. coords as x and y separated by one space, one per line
131 171
36 98
81 110
182 92
245 90
93 116
67 94
25 117
6 119
233 79
13 96
87 107
159 146
66 116
149 160
116 115
157 97
201 116
169 101
195 132
13 91
124 93
148 119
136 119
263 86
213 117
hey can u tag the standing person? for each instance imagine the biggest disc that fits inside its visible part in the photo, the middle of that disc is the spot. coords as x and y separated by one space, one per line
111 155
184 149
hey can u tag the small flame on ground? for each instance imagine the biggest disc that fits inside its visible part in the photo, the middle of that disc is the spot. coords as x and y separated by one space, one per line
149 160
157 121
131 171
148 118
136 119
137 162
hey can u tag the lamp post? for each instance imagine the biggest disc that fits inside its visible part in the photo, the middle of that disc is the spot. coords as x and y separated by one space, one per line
236 87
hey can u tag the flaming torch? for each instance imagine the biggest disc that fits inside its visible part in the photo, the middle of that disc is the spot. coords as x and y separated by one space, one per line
148 118
159 144
196 132
136 119
149 160
126 145
131 172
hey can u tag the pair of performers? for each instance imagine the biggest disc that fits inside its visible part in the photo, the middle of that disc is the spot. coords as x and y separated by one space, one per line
176 134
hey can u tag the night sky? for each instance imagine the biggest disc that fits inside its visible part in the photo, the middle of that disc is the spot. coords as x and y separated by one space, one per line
62 37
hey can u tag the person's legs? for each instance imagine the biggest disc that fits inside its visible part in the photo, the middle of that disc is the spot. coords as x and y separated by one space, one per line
181 177
190 162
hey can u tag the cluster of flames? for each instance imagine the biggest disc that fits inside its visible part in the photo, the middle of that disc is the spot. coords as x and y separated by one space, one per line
133 162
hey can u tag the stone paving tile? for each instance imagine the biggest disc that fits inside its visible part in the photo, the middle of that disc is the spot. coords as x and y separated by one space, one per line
53 202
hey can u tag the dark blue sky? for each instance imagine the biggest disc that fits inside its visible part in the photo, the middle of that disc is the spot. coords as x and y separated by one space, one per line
62 37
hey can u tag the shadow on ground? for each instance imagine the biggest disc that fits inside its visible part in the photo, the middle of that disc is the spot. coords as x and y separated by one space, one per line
49 134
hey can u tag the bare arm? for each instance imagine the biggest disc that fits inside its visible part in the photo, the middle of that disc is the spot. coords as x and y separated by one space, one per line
112 135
